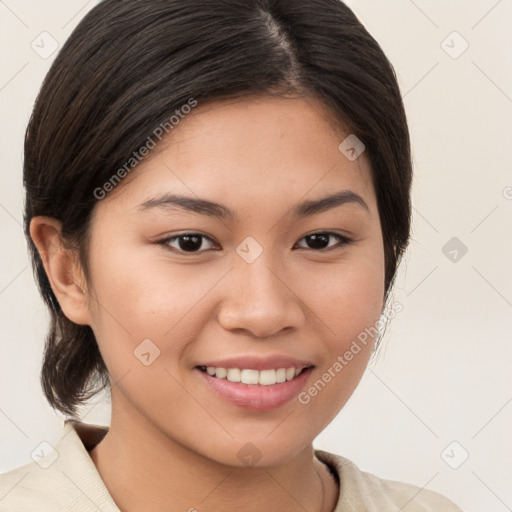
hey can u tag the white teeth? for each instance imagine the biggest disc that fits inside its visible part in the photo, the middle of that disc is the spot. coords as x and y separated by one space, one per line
248 376
267 377
234 375
221 373
281 375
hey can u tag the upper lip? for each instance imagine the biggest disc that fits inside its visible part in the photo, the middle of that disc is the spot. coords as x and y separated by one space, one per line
258 363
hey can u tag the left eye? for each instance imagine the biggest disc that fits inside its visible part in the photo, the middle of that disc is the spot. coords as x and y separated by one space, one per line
320 241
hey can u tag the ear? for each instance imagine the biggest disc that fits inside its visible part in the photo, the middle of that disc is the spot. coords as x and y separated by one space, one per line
62 267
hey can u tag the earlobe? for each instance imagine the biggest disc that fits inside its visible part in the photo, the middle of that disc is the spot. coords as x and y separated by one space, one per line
62 268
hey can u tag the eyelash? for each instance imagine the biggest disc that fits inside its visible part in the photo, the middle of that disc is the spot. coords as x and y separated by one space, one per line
343 241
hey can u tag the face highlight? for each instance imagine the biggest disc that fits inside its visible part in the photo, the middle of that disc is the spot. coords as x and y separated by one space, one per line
230 274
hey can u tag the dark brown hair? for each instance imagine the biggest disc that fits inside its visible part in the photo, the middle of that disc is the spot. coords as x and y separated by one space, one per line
130 64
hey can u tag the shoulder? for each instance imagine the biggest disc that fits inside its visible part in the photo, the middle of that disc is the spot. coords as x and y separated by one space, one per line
28 487
361 491
63 478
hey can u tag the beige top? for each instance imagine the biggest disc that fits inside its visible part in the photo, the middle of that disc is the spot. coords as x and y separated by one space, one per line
65 479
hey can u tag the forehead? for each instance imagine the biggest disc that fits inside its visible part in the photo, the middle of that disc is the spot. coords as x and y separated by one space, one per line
259 151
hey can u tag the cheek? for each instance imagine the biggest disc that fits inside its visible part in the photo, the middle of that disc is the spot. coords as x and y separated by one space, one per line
348 301
142 297
348 297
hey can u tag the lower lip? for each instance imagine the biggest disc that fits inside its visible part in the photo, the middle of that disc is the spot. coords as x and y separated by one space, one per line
255 397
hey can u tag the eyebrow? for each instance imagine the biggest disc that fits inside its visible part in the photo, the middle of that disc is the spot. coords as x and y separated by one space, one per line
205 207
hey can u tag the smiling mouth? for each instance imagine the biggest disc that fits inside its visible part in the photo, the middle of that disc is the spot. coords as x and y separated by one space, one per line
254 377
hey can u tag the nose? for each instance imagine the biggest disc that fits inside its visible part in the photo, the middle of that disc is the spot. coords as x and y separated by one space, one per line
260 301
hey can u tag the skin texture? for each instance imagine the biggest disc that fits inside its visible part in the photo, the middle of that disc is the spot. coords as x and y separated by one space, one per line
173 443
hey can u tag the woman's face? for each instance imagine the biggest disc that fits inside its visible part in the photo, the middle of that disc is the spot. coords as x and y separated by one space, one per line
257 286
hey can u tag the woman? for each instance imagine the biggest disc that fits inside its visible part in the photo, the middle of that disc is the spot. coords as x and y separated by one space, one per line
217 200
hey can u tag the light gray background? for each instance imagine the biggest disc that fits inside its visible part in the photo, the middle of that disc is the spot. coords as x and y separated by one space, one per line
444 374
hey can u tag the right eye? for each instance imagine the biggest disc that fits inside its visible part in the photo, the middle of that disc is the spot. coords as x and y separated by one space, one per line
186 243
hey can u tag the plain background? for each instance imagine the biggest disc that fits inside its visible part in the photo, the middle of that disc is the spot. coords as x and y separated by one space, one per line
444 372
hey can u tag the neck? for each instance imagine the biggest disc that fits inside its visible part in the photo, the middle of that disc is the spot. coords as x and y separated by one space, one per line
144 469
